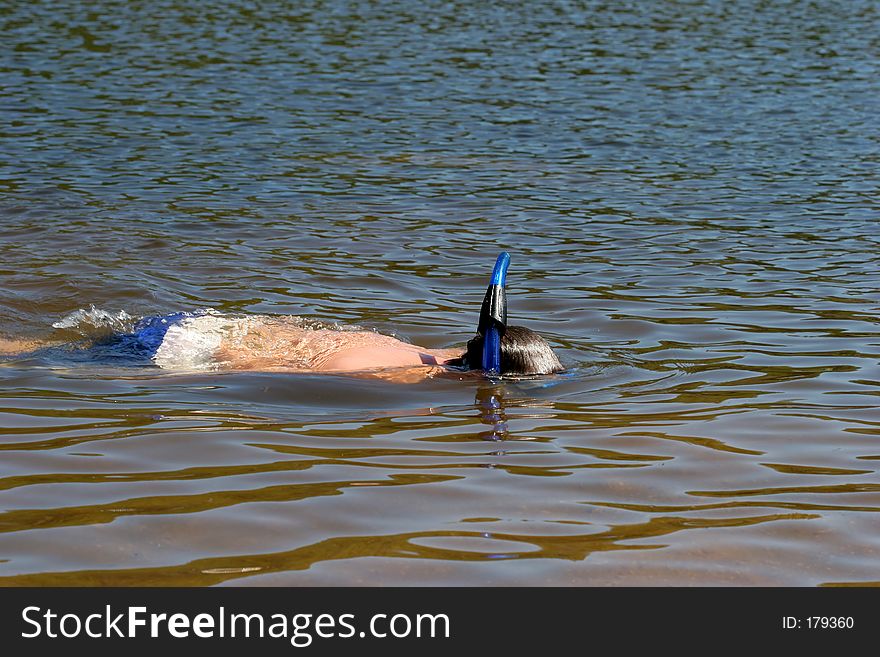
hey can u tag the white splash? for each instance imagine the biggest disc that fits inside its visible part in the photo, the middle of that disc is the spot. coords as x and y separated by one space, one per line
191 344
88 322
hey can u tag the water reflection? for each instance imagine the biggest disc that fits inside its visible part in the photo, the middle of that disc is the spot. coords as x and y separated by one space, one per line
489 401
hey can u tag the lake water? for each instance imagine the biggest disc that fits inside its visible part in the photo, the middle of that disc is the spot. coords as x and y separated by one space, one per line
689 191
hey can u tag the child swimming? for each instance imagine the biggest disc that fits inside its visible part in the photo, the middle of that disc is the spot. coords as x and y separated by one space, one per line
209 340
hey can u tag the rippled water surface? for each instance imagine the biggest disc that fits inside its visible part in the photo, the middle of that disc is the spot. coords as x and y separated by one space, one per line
689 193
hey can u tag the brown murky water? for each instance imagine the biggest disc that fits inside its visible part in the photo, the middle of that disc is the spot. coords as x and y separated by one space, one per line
689 193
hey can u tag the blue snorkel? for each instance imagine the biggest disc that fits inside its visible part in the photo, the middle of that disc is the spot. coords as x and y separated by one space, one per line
493 316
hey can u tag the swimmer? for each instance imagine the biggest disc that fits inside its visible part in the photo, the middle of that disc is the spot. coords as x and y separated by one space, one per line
208 340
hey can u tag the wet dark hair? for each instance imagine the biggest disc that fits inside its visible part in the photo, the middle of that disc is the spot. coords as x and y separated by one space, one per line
522 352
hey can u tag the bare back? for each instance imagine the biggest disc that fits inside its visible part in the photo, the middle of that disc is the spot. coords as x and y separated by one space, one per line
285 343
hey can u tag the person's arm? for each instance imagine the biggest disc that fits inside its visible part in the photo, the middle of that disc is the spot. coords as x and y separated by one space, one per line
13 346
409 374
414 374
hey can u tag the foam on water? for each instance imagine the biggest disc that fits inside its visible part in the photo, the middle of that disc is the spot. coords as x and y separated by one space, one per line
95 322
192 343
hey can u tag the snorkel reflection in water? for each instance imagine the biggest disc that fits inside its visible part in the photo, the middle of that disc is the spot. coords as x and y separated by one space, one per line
489 401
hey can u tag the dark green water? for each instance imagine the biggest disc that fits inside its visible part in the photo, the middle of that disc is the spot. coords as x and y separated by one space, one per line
689 192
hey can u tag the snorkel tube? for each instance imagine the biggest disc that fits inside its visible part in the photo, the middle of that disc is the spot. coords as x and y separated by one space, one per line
493 316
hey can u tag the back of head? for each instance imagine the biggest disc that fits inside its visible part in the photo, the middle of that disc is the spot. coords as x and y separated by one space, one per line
522 352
